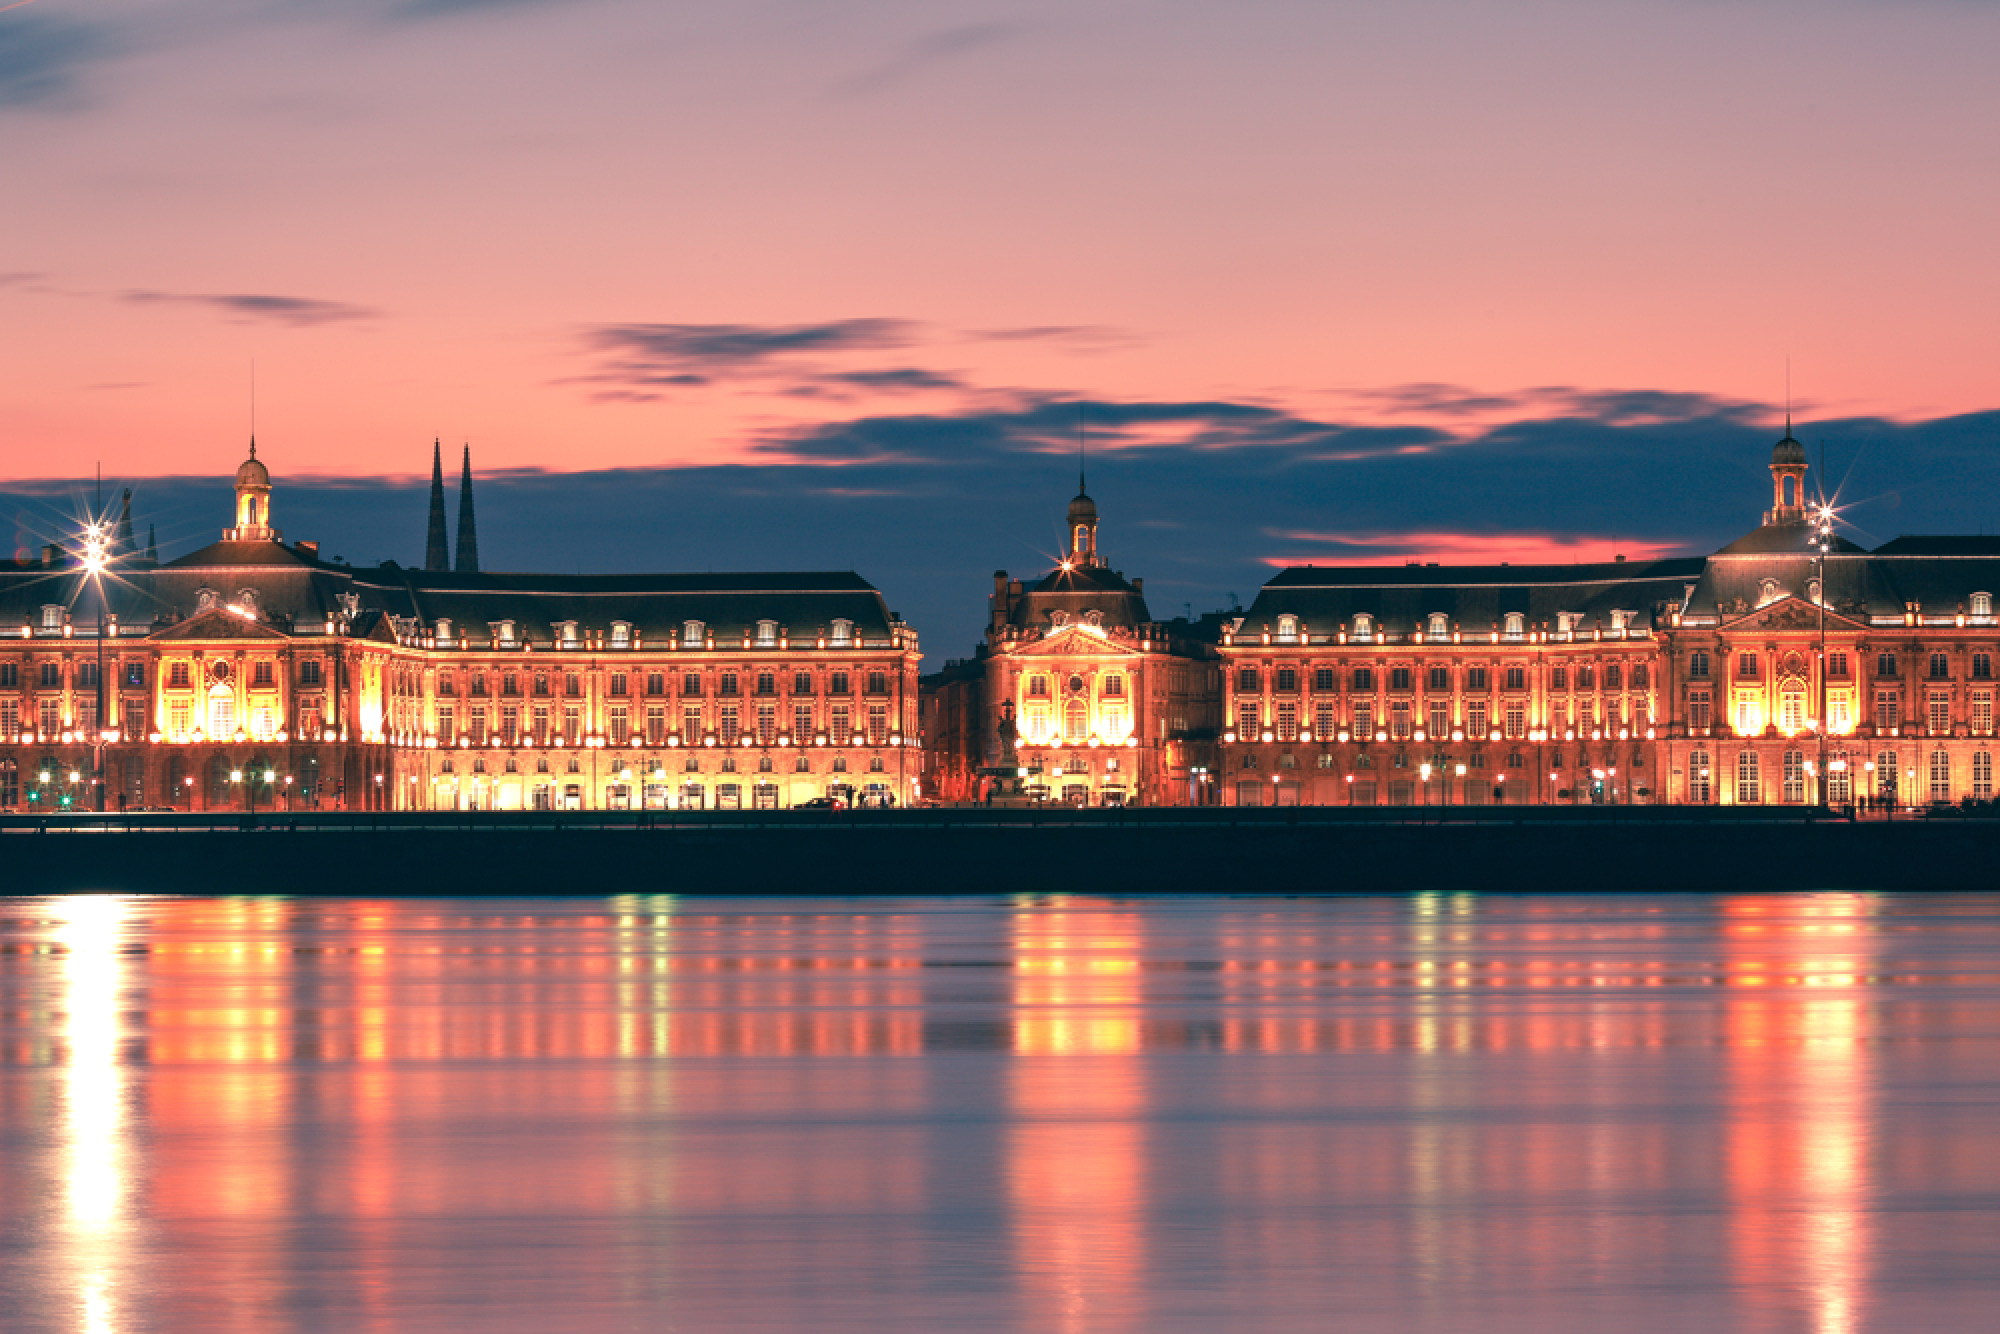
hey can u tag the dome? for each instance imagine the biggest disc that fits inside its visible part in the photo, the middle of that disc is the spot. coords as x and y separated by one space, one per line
1082 510
253 473
1788 452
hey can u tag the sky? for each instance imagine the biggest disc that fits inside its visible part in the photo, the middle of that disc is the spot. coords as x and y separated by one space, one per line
774 284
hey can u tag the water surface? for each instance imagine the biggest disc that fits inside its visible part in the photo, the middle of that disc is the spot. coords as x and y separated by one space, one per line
1045 1113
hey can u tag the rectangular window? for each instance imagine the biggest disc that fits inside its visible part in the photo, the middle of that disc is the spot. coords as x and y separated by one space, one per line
447 731
1887 710
1701 788
177 721
1246 722
1940 667
731 685
1795 777
1839 778
1517 721
541 717
510 724
1840 715
619 682
10 676
573 723
1700 711
1746 668
1749 783
1439 678
802 683
802 723
1246 681
1697 666
1517 678
1288 680
837 684
1440 718
479 727
767 724
1558 717
656 725
1364 678
841 727
729 730
1982 666
1475 678
1399 720
1586 715
510 683
1940 775
51 676
1364 718
1614 676
1836 664
1940 715
1982 775
1885 664
656 683
691 727
1323 678
1982 713
573 685
1586 676
1477 722
1114 685
1323 723
691 685
621 725
878 724
10 720
51 719
1559 678
878 683
1399 678
1288 721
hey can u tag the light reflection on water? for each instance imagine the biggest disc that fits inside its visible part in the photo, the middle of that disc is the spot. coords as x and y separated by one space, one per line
1440 1112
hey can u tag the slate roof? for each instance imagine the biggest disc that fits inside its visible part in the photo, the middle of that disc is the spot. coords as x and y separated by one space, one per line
1477 598
1076 591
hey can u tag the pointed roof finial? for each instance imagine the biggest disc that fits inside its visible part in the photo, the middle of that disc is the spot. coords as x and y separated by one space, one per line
468 531
437 544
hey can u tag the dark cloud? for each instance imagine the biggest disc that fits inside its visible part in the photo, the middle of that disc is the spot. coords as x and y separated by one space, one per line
639 361
294 310
924 53
900 380
42 56
929 506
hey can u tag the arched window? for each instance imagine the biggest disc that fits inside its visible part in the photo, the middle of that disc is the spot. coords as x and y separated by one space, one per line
1082 543
1767 591
1440 626
221 712
1364 625
1093 617
246 599
1515 625
691 633
1749 782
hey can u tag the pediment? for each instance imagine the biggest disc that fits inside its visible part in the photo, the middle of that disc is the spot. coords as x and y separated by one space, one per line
1789 614
1077 641
219 624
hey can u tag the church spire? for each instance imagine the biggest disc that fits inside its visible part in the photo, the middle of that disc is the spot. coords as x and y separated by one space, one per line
121 542
468 532
437 550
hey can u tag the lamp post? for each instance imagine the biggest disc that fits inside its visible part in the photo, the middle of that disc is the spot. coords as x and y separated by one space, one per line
96 554
1822 540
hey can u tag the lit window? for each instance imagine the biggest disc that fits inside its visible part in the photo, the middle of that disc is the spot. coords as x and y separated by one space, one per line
843 632
1440 626
621 634
1288 629
767 633
1364 625
691 633
1982 604
1515 625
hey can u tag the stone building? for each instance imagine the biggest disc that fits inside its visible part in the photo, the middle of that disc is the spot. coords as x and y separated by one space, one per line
254 672
1789 667
1077 693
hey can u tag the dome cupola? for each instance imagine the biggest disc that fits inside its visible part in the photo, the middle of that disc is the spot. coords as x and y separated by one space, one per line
253 502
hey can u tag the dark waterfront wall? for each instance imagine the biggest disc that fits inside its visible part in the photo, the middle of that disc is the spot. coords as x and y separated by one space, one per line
1302 850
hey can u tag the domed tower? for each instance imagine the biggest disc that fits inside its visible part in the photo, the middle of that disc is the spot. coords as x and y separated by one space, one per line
1082 530
1788 479
253 502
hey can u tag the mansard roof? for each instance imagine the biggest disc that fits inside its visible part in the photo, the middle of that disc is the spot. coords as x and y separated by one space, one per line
1080 589
1793 537
236 555
1476 597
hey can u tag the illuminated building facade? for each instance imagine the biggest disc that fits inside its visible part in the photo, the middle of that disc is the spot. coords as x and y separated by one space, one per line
253 672
1789 667
1077 693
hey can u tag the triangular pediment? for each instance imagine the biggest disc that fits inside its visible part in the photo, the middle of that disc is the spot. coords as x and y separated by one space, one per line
1077 641
218 624
1789 614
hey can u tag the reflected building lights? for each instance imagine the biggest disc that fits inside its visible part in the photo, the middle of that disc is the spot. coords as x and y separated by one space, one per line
96 1153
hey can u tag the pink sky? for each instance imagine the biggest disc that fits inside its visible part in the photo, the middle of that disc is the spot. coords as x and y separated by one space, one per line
1287 204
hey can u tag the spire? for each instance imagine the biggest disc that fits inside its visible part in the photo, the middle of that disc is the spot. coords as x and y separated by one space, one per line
437 550
121 542
468 532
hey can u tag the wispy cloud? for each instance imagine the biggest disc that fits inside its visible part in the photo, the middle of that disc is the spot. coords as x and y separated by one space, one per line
292 310
1463 548
639 362
43 55
922 55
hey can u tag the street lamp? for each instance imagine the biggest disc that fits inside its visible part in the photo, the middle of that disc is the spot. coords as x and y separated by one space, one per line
1822 540
97 555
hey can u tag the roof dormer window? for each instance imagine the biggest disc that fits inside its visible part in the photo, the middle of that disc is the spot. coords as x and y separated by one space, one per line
565 633
1515 625
204 600
444 627
52 615
621 634
767 634
1364 626
1439 627
1288 629
1982 605
843 632
691 633
503 632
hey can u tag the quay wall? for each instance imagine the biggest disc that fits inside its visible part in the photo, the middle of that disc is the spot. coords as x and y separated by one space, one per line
1271 851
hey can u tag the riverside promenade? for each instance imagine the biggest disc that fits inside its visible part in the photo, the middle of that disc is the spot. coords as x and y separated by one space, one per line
1288 850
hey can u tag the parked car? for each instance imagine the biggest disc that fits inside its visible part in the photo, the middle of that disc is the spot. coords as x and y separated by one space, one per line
820 804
